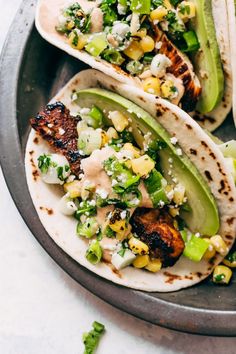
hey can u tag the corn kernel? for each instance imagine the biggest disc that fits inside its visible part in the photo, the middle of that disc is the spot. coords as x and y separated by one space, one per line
222 274
73 188
82 41
179 192
70 25
174 212
118 225
167 89
186 10
137 246
134 51
210 252
105 138
141 261
154 265
230 263
159 13
147 44
112 133
119 121
152 85
141 33
219 244
132 148
143 165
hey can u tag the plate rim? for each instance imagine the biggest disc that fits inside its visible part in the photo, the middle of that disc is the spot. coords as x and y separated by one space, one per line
193 320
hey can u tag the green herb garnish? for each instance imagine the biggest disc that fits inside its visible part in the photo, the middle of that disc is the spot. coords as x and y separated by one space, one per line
91 339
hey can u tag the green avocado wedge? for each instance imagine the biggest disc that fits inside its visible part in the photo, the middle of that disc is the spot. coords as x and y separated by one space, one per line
203 216
207 60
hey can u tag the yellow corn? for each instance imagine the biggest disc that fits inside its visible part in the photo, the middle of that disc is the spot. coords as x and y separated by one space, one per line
70 25
147 44
210 252
132 148
229 264
179 192
134 51
141 33
152 85
159 13
118 225
137 246
141 261
119 121
167 89
174 212
143 165
186 10
222 274
105 138
73 188
112 133
82 41
154 265
219 244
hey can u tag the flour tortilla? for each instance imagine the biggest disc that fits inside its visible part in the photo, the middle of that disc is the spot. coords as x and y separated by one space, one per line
47 19
190 136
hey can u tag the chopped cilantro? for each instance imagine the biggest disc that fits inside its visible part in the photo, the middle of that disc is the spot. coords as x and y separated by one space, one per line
44 162
219 277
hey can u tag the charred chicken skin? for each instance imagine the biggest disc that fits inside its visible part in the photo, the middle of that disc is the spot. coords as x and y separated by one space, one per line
55 125
156 229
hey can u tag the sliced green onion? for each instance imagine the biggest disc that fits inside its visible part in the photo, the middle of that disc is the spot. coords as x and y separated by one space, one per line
97 117
191 42
113 56
154 184
134 67
92 338
96 45
87 229
89 140
142 7
148 57
195 248
85 208
94 252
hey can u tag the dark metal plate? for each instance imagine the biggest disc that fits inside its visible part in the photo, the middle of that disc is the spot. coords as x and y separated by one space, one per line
32 71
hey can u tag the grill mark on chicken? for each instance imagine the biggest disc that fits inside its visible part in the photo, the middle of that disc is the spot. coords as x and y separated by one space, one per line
155 228
182 68
55 125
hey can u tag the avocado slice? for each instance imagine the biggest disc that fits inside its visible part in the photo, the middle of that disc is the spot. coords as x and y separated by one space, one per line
207 61
203 217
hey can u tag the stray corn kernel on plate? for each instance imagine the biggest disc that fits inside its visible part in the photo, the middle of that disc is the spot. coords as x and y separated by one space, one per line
137 192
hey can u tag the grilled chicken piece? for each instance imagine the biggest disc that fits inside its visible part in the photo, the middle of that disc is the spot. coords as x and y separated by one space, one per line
181 68
156 229
55 125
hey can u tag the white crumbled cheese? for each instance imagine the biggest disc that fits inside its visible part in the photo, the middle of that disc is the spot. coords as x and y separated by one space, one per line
102 193
81 175
109 173
121 9
159 65
161 204
61 131
120 30
71 178
158 45
197 234
114 182
92 203
50 125
179 152
173 140
164 25
135 201
170 194
123 214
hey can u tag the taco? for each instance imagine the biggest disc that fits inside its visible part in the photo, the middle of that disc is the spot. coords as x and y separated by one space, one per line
143 198
178 50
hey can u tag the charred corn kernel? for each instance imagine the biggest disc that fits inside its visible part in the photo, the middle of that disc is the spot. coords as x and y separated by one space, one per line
70 25
78 43
219 244
179 192
141 261
230 264
186 10
112 133
137 246
210 252
142 165
132 148
174 212
154 265
118 225
147 44
167 89
159 13
152 85
141 33
105 138
222 274
134 51
119 121
121 235
73 188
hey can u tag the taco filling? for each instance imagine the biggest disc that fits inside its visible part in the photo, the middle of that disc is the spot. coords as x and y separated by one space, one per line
170 47
137 199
